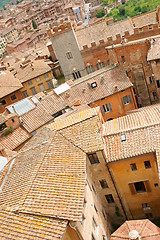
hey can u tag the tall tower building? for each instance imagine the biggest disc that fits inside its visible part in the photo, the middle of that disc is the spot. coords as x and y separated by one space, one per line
67 50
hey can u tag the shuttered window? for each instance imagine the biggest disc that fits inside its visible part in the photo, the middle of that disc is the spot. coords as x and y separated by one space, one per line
140 187
106 108
126 99
93 158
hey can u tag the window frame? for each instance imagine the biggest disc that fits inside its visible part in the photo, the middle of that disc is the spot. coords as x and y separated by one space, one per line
33 91
13 97
147 166
129 100
133 166
103 183
106 108
109 198
94 158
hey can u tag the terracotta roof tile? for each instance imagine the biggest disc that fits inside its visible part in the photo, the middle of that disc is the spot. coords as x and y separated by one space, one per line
146 229
8 83
24 226
82 129
53 182
35 118
145 19
154 51
2 119
14 139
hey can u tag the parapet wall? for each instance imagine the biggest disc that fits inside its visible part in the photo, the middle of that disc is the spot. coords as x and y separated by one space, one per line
139 33
59 27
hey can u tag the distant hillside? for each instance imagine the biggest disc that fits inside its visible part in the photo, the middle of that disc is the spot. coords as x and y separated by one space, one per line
132 8
4 2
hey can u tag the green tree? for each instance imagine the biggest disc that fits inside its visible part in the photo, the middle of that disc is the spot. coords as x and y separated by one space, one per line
144 9
122 11
100 13
34 24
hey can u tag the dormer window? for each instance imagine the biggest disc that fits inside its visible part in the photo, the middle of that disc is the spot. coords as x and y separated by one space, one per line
123 137
94 85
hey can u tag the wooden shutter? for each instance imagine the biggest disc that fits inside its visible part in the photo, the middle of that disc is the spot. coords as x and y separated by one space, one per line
147 186
102 108
132 188
110 107
130 99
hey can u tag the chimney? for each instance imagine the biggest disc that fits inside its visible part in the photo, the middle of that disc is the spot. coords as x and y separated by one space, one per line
134 235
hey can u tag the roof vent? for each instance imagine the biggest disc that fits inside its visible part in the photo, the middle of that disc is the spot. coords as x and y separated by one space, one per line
133 235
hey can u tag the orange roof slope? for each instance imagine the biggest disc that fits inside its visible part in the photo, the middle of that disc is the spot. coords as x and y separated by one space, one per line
8 83
146 229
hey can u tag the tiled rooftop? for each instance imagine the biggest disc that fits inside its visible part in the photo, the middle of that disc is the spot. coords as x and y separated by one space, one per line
142 133
154 51
14 139
53 182
82 129
146 229
8 83
35 118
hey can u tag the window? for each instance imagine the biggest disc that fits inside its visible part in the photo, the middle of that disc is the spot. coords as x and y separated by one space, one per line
123 59
46 75
50 84
41 87
69 55
103 183
140 187
146 206
3 102
106 108
133 166
158 83
13 97
108 61
34 91
38 79
149 215
94 223
94 85
123 138
126 99
93 238
100 65
95 208
109 198
30 83
151 79
156 185
93 158
76 75
89 69
2 126
154 95
25 94
147 164
13 120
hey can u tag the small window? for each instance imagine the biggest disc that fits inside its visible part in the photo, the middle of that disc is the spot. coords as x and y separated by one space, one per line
126 99
103 183
2 127
41 87
100 65
123 138
109 198
147 164
149 215
50 85
94 224
146 206
13 97
156 185
30 83
89 69
139 186
154 95
69 55
158 83
76 75
3 102
95 208
25 94
94 85
133 167
123 59
34 91
151 79
38 79
93 238
106 108
13 120
46 75
93 158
